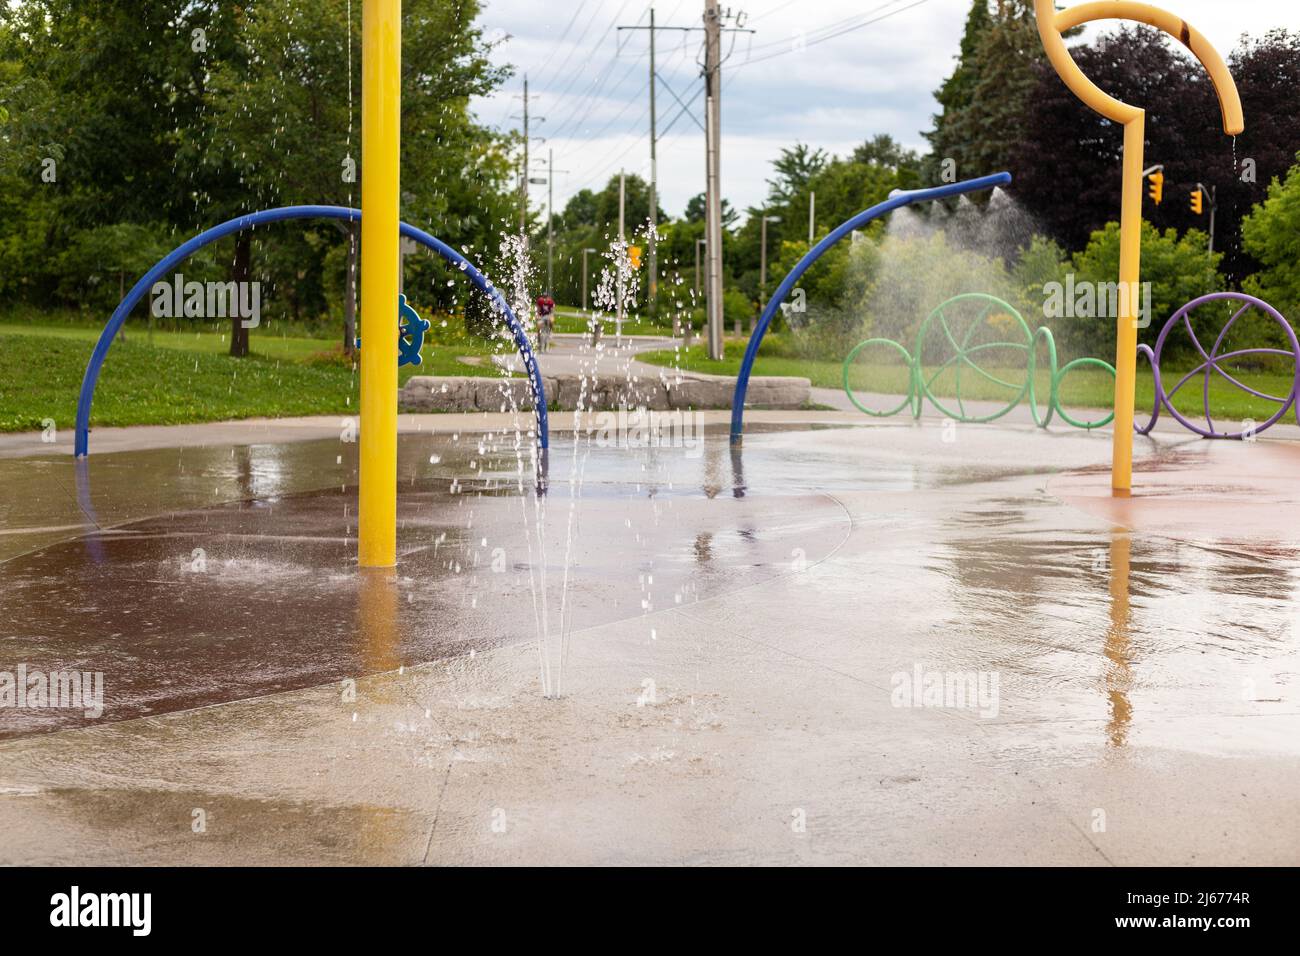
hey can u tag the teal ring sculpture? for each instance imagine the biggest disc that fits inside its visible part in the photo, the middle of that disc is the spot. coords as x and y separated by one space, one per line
897 199
919 386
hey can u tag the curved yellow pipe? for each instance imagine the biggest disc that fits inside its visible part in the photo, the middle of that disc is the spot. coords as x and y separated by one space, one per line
1052 24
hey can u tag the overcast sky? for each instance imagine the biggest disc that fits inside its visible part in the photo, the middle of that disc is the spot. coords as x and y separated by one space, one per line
781 84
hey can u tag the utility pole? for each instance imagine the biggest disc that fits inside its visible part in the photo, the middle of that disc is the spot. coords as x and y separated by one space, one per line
523 176
1209 194
550 218
584 277
812 217
523 169
621 260
654 174
654 164
713 17
712 191
550 221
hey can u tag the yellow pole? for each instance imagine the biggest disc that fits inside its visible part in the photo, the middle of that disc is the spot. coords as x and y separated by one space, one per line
1051 26
1130 269
381 92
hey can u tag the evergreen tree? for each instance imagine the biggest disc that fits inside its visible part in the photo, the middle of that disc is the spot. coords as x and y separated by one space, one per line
985 98
1004 79
794 168
695 211
958 89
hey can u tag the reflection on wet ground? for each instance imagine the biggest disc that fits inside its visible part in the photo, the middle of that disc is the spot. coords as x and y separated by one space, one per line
739 622
201 605
947 554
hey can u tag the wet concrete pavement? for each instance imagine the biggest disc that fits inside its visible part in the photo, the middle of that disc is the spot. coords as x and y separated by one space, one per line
741 632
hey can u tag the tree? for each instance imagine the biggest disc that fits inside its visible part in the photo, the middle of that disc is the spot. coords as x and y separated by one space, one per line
1271 234
1178 269
285 123
590 221
984 100
636 205
119 86
1267 73
580 210
184 113
1066 161
883 150
843 188
795 168
98 263
30 140
1005 78
910 276
695 211
958 89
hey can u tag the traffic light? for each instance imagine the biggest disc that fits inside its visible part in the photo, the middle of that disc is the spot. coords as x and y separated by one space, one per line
1198 201
634 256
1157 191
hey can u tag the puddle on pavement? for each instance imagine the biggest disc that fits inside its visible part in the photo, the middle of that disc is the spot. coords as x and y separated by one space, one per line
243 580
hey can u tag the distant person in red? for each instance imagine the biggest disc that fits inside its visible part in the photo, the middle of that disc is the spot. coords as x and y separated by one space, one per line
545 320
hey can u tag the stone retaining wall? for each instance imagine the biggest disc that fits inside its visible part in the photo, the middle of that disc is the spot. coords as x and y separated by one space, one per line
425 393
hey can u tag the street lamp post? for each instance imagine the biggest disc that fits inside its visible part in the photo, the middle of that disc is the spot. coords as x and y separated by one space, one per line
762 261
699 244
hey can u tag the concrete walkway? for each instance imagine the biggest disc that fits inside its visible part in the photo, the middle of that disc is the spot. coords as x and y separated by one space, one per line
260 431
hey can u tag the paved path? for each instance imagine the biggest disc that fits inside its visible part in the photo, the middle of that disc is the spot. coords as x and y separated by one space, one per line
574 355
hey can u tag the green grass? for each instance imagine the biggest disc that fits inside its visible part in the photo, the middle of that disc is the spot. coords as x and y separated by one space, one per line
1082 388
188 377
575 322
292 348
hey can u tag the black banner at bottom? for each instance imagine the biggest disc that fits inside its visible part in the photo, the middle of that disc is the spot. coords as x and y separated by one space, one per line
1226 906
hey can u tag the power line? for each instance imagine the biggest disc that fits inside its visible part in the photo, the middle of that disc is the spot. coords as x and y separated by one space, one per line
686 107
768 13
590 168
617 116
589 100
831 36
574 124
564 35
832 26
595 83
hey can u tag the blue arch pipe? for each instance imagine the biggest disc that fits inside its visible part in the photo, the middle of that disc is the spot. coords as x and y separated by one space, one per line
182 252
898 199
